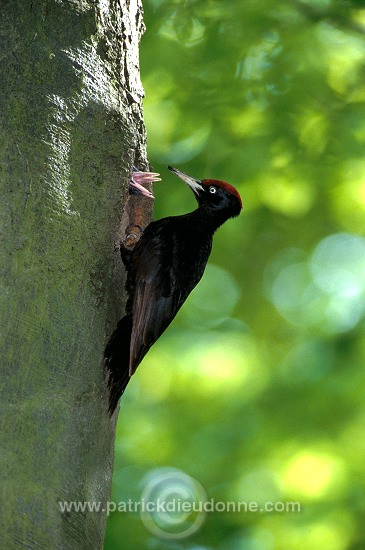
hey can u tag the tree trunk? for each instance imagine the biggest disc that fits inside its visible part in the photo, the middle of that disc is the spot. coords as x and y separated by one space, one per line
70 130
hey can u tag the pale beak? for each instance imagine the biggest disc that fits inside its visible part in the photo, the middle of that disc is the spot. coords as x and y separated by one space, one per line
194 184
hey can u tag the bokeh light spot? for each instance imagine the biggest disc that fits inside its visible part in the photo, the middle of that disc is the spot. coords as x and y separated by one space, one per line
282 194
312 474
327 290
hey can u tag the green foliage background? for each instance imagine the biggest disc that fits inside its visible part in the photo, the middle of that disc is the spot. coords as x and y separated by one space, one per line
257 389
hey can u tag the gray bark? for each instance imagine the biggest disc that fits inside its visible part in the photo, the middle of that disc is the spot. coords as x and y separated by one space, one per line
70 129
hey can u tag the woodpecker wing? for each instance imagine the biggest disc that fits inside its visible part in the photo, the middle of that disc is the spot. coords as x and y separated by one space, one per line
157 294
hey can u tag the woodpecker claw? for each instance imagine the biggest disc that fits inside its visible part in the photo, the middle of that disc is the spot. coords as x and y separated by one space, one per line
139 178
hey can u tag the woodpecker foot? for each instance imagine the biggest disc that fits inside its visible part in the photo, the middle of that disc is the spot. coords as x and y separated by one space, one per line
133 234
138 179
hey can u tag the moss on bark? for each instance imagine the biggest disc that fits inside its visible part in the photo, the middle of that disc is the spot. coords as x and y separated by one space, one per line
70 129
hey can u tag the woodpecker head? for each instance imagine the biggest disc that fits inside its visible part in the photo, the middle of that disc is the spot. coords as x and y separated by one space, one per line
214 195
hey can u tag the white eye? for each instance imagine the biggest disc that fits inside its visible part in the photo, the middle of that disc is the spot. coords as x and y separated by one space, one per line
212 189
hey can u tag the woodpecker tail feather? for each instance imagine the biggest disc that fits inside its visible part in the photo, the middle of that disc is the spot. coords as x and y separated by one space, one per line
116 358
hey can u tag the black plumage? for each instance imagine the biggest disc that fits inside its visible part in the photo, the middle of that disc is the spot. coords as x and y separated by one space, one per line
163 268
